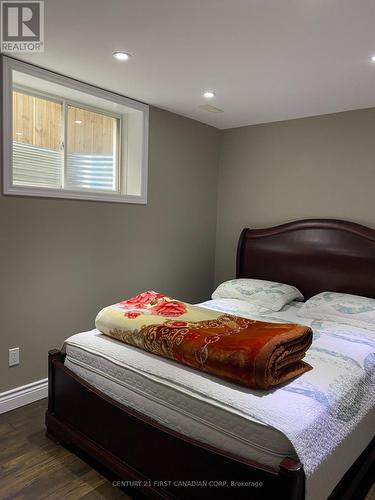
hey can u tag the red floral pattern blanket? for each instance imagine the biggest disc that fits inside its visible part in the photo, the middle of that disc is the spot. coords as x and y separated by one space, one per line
253 353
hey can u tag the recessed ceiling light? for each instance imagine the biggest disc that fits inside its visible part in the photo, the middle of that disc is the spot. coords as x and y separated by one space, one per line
78 121
121 56
209 94
373 58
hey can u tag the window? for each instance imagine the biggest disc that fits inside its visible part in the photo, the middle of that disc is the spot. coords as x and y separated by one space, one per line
37 141
92 158
67 139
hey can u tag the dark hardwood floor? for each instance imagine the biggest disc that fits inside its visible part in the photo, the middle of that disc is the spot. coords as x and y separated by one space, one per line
33 467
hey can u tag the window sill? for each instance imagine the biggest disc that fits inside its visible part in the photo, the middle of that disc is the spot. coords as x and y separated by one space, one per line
75 195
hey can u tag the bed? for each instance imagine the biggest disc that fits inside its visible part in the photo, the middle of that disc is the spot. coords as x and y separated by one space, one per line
162 443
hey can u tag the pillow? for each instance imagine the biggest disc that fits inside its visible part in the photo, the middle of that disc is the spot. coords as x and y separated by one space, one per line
268 294
236 307
341 308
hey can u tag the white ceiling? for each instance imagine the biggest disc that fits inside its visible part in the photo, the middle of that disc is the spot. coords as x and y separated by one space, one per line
267 60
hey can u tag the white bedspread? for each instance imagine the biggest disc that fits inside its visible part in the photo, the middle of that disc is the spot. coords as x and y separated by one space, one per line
319 412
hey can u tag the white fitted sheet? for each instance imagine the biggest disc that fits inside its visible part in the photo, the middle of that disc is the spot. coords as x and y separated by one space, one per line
135 378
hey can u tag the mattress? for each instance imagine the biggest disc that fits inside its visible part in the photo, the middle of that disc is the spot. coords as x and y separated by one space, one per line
241 421
92 356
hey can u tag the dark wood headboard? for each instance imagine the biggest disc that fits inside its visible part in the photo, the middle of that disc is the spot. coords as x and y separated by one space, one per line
315 255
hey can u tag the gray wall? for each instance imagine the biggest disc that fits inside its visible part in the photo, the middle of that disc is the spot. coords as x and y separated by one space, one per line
312 167
62 260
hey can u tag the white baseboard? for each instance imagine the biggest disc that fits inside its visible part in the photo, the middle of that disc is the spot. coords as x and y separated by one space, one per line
24 395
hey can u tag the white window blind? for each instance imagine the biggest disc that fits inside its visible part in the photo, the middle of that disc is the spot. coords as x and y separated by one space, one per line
36 166
91 171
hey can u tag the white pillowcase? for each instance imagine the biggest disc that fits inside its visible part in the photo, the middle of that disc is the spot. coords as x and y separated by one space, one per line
268 294
341 308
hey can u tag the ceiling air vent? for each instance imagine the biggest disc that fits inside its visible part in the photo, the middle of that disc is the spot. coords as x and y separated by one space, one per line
210 109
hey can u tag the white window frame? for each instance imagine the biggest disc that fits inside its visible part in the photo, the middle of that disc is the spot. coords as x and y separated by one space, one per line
10 65
117 152
65 103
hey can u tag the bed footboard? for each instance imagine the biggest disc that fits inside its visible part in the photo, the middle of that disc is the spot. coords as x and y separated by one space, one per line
147 456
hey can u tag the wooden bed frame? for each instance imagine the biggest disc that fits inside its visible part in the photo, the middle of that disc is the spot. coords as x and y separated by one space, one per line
314 255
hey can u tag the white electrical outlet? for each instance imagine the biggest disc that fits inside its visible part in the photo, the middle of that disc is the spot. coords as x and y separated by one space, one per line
14 356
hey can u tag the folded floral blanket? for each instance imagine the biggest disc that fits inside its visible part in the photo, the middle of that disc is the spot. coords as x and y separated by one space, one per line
253 353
